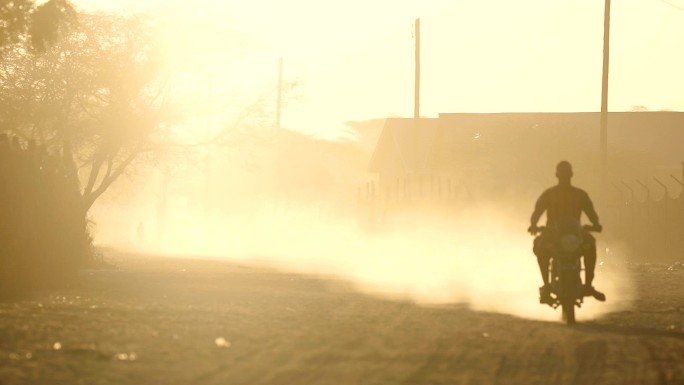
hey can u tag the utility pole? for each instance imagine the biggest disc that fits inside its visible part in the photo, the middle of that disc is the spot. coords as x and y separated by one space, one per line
416 100
604 97
280 91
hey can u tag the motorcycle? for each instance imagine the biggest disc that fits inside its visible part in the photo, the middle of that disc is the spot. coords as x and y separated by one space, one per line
565 266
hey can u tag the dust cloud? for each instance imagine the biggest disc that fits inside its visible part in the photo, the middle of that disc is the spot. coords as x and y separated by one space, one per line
274 206
481 257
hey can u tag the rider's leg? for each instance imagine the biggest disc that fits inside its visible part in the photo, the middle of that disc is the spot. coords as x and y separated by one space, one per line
543 268
540 249
589 267
589 260
543 254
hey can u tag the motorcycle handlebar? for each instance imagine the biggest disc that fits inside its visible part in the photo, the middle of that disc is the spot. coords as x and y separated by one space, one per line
593 228
534 230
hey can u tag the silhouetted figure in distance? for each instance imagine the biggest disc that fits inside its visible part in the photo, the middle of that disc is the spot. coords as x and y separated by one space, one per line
560 202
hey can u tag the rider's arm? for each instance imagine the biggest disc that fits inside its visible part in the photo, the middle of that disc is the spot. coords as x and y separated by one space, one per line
588 208
539 209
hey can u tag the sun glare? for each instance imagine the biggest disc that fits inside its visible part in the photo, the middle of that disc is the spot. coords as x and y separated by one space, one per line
354 60
358 191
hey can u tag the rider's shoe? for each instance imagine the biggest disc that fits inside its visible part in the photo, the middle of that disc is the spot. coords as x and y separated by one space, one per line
589 291
545 295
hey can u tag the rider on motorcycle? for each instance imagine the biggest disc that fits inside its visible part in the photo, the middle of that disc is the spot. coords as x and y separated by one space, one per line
559 202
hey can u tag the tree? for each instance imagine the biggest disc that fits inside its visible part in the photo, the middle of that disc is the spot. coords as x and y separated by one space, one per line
44 23
98 94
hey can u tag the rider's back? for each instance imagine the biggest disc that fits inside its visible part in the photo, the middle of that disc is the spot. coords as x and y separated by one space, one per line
564 201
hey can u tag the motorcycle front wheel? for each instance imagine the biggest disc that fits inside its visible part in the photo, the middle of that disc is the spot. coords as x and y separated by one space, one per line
568 312
568 296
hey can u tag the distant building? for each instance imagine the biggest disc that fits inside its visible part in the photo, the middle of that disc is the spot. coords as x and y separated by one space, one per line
494 151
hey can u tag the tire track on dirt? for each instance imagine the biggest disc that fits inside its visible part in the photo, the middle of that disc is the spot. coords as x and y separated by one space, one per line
666 362
436 360
535 360
288 329
591 362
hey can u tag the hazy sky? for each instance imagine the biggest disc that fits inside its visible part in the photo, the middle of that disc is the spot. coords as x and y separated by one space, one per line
354 59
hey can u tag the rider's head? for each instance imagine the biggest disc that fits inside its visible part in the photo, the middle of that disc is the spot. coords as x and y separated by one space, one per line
564 171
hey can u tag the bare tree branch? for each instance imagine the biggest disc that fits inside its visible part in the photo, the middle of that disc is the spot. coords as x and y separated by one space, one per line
89 199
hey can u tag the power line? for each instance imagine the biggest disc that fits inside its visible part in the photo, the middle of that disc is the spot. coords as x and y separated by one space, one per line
673 5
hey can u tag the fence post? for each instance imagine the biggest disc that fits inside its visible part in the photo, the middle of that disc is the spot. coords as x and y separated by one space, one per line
647 204
634 238
667 228
667 192
631 191
617 212
619 191
648 191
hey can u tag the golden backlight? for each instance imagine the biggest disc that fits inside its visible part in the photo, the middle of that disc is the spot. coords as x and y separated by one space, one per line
354 60
482 259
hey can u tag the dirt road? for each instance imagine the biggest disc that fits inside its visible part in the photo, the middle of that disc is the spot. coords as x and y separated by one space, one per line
170 321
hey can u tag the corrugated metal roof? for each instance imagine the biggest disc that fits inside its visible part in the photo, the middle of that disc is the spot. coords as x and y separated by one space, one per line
407 143
426 145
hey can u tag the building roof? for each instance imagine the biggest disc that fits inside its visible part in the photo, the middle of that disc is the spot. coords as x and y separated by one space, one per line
406 143
430 145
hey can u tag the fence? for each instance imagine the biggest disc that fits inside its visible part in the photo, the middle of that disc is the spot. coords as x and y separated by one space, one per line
651 229
648 229
410 198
